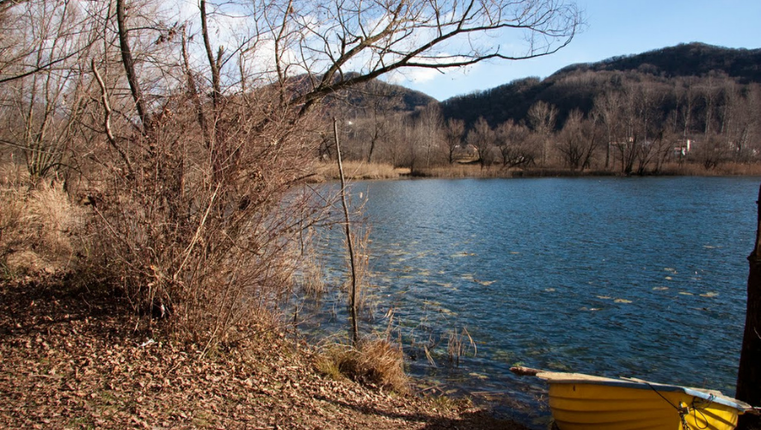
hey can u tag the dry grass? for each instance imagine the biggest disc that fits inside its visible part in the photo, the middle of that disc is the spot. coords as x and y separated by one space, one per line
463 171
376 362
311 276
475 171
457 346
357 170
37 224
724 169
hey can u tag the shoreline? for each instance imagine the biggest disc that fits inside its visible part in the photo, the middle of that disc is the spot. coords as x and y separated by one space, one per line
353 170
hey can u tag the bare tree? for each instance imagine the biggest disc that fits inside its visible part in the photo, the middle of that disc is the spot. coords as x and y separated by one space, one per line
736 118
372 107
429 126
39 36
606 107
514 144
454 132
686 94
197 124
578 140
129 67
542 117
396 150
752 134
629 124
378 38
711 151
44 106
710 91
648 98
481 137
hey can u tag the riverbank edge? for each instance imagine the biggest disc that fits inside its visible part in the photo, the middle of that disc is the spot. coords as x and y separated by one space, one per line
325 171
71 359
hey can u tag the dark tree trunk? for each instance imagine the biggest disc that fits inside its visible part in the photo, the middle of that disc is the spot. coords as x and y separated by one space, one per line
749 373
214 63
129 67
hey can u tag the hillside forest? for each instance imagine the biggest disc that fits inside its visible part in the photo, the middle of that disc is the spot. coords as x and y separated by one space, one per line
623 116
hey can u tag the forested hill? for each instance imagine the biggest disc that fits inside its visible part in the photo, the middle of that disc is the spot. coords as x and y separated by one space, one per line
392 97
577 86
692 59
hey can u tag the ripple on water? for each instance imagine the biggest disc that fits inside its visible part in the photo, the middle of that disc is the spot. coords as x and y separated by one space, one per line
642 277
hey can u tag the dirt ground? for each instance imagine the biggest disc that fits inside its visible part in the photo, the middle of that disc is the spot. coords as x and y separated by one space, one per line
70 359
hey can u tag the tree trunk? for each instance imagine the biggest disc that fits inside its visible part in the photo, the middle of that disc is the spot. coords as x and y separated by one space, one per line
214 63
129 67
749 372
349 244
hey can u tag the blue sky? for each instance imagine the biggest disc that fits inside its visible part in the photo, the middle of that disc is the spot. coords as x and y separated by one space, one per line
617 27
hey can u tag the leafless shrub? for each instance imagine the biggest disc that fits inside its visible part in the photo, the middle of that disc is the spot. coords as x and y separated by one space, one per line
207 234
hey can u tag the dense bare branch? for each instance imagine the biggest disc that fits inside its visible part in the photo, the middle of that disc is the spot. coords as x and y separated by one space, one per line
375 38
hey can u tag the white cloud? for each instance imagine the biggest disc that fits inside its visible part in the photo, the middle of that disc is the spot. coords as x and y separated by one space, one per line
413 75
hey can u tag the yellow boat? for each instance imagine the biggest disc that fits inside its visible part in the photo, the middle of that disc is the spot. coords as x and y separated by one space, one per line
581 401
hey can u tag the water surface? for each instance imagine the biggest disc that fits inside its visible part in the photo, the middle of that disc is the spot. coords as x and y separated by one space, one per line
639 277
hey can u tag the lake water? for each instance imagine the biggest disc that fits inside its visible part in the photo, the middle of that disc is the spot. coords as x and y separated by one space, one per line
641 277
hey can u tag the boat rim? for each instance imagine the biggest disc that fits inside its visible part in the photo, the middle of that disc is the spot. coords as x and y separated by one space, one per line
580 378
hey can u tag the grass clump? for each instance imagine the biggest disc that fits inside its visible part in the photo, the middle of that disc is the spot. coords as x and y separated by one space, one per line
457 345
376 362
38 224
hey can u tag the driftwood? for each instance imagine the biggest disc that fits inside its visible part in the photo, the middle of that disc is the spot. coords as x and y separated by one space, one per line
525 371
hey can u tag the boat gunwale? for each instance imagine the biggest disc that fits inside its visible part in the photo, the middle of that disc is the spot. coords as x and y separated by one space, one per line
580 378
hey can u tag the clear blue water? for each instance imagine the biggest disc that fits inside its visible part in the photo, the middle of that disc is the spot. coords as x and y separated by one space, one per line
641 277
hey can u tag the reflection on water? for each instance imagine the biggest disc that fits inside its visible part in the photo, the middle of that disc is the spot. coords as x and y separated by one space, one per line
637 277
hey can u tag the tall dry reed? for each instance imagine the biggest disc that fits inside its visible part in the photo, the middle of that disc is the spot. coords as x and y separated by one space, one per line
356 170
39 225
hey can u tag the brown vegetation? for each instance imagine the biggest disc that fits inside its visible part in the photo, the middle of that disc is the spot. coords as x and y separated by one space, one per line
356 170
366 171
631 124
375 362
40 227
71 359
165 154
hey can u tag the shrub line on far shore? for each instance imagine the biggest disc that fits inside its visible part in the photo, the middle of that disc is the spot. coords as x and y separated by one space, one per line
325 171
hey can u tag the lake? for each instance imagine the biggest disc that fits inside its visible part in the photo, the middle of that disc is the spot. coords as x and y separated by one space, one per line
642 277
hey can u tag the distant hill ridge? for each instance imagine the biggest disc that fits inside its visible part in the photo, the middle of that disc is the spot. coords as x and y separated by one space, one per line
408 100
576 86
688 59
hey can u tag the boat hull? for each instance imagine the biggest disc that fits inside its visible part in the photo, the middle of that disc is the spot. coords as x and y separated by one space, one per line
579 405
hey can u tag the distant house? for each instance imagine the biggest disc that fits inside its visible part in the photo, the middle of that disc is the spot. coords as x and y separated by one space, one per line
683 147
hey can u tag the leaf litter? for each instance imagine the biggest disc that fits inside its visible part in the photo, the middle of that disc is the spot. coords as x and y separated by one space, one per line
71 360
